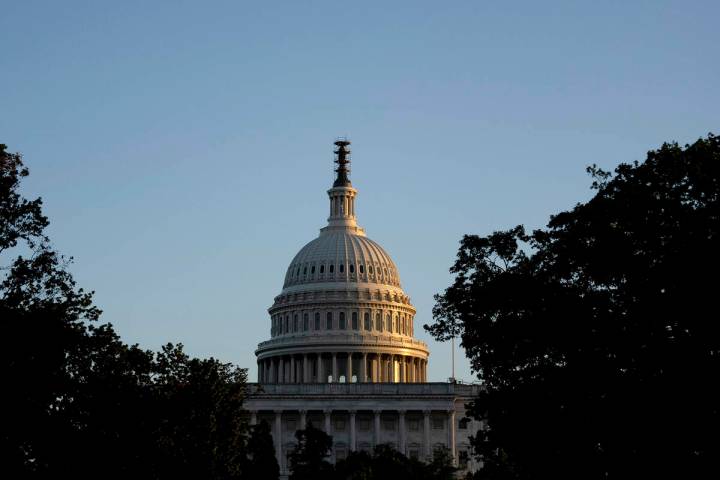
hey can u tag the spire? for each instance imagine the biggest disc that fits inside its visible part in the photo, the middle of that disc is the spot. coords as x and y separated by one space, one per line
342 194
343 162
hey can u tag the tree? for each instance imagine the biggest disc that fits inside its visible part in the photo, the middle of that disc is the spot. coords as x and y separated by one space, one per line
262 463
594 337
309 459
80 403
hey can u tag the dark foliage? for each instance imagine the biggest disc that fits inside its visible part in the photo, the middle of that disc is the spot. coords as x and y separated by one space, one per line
79 403
596 337
309 459
261 463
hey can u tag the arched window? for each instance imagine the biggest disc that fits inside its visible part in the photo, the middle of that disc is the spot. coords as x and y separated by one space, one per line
317 320
341 321
306 321
287 324
354 321
342 268
295 323
305 270
402 325
352 268
378 322
312 269
397 324
362 268
328 323
370 269
322 268
367 321
332 268
388 323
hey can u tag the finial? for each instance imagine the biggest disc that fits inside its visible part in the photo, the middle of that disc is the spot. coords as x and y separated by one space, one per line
343 161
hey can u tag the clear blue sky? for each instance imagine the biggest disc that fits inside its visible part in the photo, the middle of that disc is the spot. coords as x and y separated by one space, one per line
183 149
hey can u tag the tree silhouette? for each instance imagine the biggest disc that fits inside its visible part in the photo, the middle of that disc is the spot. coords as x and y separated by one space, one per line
78 402
309 459
595 337
262 463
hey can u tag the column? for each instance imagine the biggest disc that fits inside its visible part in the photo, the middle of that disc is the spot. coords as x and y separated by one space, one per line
348 372
451 434
281 370
403 434
335 367
374 368
426 432
303 419
277 436
253 417
304 378
377 426
353 440
363 369
392 369
328 413
321 377
292 368
402 368
259 371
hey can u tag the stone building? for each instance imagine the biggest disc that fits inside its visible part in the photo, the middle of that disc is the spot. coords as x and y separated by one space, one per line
342 352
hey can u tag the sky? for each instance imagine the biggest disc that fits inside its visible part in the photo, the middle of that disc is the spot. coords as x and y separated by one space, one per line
183 149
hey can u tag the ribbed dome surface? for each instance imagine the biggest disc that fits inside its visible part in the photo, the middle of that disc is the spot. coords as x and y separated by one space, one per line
337 256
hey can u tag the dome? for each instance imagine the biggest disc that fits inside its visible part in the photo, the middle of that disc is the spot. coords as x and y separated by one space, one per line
342 256
342 315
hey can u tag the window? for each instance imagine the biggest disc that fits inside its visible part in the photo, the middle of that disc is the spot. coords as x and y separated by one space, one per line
370 269
364 425
328 325
341 321
342 268
317 320
354 321
290 426
378 322
414 424
287 324
388 324
312 269
463 423
305 270
352 268
367 321
339 425
322 268
362 269
389 425
438 423
306 321
397 324
332 268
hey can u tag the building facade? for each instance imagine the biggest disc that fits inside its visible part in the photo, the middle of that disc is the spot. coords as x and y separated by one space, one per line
342 352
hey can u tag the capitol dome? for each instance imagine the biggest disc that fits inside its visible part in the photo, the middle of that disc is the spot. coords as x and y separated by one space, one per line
342 315
342 256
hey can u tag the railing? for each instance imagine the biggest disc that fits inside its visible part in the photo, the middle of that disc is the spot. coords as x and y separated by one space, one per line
439 389
352 339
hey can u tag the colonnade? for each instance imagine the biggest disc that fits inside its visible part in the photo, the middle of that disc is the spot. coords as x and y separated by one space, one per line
427 444
329 367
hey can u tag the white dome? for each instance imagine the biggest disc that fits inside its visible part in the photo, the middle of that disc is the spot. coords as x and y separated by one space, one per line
342 256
